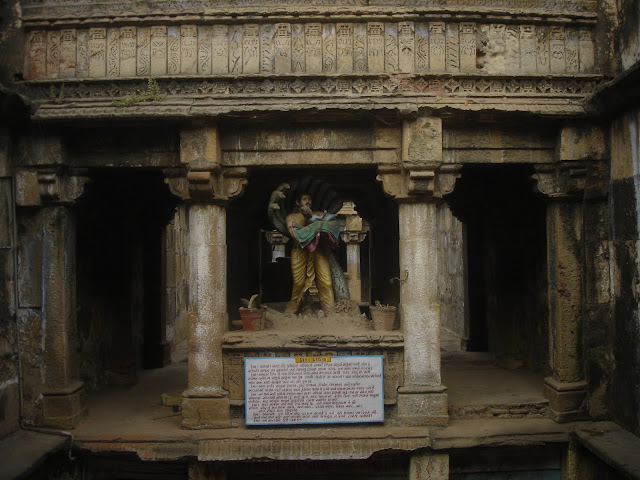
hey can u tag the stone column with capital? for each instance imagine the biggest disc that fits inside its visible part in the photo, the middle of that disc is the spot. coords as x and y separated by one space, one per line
565 184
54 190
417 185
207 188
353 236
566 388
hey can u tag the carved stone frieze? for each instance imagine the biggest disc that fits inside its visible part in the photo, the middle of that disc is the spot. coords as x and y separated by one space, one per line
59 92
308 48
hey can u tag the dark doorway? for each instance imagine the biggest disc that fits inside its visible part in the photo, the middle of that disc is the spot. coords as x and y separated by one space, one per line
119 246
506 251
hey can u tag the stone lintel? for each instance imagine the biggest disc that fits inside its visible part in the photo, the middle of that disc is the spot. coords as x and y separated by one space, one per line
205 412
271 339
566 399
48 186
423 405
63 408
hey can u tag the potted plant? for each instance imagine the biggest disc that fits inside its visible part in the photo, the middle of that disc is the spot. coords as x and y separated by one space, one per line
383 316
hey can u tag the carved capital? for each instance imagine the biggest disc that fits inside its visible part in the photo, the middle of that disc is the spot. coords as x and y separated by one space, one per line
561 180
50 186
353 236
274 237
425 182
205 186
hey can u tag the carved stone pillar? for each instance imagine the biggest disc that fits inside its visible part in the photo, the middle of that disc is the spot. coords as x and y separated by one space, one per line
417 185
52 189
207 188
353 236
278 244
564 185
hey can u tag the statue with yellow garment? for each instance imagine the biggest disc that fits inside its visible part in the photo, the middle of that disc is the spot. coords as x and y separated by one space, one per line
315 235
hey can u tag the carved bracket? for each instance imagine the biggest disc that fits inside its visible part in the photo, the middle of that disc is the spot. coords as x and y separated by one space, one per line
424 182
51 186
353 236
219 186
561 180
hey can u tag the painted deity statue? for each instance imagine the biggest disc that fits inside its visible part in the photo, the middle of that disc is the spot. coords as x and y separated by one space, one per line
315 235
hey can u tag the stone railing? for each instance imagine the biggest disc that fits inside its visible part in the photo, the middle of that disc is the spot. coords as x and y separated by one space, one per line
316 49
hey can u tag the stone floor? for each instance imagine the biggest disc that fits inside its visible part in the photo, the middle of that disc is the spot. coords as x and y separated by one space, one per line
477 389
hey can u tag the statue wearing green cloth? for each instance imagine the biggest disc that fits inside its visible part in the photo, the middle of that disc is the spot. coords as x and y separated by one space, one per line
315 236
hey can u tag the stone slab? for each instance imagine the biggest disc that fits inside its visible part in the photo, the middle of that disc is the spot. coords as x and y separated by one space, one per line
27 450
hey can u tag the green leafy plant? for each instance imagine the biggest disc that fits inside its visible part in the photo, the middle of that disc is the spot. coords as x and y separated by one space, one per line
151 94
56 98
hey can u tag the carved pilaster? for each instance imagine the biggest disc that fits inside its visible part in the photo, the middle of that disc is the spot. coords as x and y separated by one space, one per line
566 388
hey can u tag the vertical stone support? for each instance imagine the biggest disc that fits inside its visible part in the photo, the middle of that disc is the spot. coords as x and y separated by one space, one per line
566 388
353 236
207 188
63 396
422 399
206 403
417 185
429 466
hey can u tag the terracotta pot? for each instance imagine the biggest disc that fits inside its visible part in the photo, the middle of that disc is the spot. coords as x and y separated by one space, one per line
383 317
252 318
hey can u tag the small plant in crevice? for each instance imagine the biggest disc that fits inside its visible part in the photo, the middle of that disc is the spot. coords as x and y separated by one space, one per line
151 94
56 98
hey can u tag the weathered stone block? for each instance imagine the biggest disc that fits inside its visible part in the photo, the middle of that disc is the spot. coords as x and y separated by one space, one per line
200 148
582 143
566 400
200 413
429 466
422 140
423 405
64 408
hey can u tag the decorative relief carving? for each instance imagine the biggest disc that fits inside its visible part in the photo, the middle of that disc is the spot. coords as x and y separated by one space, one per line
467 47
422 48
542 50
68 53
53 54
251 49
82 58
452 42
586 50
143 52
188 49
437 47
311 48
158 51
556 49
97 52
344 34
571 50
235 49
528 49
360 47
297 49
406 47
391 60
204 50
113 52
282 43
128 49
267 52
173 50
220 49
